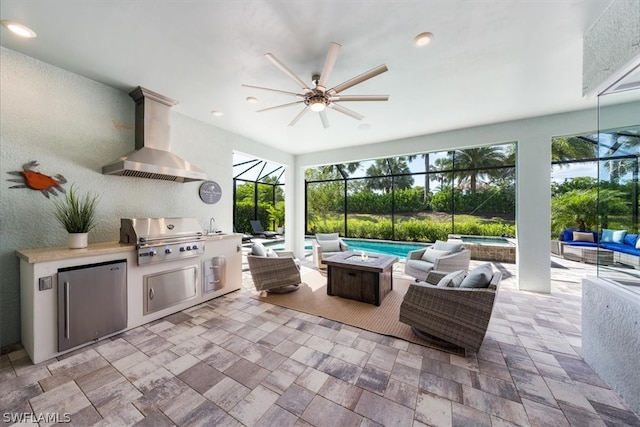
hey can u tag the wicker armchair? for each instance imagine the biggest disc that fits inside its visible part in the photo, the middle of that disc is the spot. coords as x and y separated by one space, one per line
326 245
276 274
448 315
416 267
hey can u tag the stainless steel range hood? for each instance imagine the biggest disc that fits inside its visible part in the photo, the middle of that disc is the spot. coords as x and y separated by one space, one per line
152 157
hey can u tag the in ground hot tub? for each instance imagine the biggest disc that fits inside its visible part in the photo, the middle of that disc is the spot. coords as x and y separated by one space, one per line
488 248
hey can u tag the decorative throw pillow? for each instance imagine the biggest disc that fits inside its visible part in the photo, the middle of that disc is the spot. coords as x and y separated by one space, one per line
479 277
613 236
566 236
258 249
638 243
452 280
431 255
631 239
452 247
330 245
327 236
271 253
583 236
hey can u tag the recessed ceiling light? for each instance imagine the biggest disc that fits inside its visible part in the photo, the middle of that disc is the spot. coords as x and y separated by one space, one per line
217 113
252 100
19 29
422 39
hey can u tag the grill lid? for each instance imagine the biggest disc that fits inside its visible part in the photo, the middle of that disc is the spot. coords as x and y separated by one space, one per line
150 231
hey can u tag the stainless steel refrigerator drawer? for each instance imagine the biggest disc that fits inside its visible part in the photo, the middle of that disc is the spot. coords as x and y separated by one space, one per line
169 288
92 302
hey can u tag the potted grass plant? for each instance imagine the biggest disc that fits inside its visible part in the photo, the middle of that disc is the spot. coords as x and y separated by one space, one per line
77 215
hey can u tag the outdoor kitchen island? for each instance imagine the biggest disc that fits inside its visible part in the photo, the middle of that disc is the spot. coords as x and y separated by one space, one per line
217 271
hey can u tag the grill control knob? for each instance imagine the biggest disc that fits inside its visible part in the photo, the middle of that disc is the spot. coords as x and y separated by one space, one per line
152 253
167 251
188 248
181 248
194 247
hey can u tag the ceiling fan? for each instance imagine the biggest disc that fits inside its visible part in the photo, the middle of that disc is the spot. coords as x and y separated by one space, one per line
319 97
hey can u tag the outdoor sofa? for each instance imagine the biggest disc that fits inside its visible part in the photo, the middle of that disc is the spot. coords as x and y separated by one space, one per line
625 246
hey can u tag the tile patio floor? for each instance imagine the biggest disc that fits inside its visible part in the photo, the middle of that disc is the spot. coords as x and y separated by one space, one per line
236 361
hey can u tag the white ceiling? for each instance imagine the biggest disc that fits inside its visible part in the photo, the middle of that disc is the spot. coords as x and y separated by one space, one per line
490 61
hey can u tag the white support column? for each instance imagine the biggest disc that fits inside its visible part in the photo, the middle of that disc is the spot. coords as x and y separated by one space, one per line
533 214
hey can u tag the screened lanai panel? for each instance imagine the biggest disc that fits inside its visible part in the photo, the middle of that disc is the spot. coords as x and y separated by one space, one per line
369 208
325 207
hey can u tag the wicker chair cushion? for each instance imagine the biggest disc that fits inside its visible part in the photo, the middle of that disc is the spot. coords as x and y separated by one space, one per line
452 247
430 254
452 280
258 249
479 277
419 264
271 253
330 245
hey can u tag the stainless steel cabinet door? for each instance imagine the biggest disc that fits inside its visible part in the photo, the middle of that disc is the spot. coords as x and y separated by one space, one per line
168 288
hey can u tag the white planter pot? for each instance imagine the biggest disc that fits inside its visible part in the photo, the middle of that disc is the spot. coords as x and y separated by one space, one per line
78 240
280 230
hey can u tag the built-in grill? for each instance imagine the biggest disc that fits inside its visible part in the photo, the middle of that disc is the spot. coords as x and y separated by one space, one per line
163 239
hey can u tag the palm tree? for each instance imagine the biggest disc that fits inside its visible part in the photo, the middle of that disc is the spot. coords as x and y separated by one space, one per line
383 168
573 148
471 162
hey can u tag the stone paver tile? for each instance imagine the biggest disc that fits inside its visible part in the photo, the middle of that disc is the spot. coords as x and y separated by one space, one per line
201 377
462 416
533 387
544 415
342 370
433 410
65 399
384 411
569 394
254 405
348 354
116 349
310 357
616 416
247 373
494 405
502 388
277 416
402 393
312 379
406 374
340 392
383 357
442 387
295 399
160 395
180 407
324 413
373 379
123 415
181 364
227 393
579 418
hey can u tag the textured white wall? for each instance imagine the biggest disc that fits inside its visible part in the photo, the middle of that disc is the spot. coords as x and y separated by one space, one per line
611 336
73 126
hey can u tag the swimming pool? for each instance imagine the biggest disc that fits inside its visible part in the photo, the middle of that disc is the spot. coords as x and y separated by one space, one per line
382 247
398 249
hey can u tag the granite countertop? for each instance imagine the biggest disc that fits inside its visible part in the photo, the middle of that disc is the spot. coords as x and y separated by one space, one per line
33 256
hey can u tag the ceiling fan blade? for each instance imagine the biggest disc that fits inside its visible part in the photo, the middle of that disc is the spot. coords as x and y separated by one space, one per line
359 98
329 63
324 119
300 114
279 106
346 111
287 71
358 79
273 90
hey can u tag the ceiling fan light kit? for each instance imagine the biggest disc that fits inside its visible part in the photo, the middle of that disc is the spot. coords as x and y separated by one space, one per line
422 39
317 99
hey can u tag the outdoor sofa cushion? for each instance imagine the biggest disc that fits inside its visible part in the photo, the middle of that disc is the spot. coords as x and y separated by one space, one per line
258 249
631 239
587 244
452 280
618 247
431 254
420 264
479 277
452 247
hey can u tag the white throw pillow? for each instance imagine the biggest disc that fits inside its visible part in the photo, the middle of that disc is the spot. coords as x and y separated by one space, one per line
581 236
431 255
330 245
452 280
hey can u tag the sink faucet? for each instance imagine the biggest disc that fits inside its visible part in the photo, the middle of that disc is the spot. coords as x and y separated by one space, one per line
211 222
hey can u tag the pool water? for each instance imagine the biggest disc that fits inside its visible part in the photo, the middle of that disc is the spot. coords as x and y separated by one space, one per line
486 240
398 249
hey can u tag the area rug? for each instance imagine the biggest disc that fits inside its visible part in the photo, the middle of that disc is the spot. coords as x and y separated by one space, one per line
312 298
